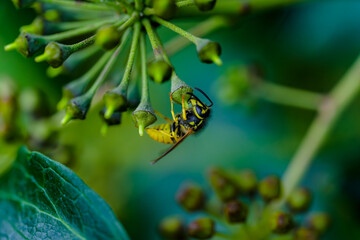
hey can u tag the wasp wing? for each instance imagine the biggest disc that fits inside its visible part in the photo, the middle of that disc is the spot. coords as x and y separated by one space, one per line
172 147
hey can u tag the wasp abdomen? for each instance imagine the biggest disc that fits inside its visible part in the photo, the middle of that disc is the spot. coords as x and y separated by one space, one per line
161 133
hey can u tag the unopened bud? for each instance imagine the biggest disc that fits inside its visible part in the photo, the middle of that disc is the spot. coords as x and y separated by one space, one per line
299 200
319 222
205 5
191 197
281 222
27 44
236 211
164 8
172 228
303 233
179 89
201 228
108 37
209 51
222 185
159 70
77 108
270 188
246 181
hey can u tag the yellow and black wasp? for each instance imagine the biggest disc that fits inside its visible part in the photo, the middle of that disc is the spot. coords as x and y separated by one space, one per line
189 121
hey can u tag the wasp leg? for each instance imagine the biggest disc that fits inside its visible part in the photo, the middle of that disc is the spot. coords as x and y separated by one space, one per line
183 107
163 116
172 108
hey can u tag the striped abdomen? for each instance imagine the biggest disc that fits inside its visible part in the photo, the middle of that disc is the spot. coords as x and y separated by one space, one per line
161 133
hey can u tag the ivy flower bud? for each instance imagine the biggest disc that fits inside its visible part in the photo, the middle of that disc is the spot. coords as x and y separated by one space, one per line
77 108
236 211
209 51
246 181
108 37
115 118
303 233
115 99
55 54
164 8
191 197
299 200
36 27
205 5
179 89
270 188
222 185
27 44
172 228
201 228
281 222
319 222
159 70
23 3
143 116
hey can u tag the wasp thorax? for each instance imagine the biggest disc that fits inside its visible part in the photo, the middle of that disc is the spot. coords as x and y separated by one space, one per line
108 37
205 5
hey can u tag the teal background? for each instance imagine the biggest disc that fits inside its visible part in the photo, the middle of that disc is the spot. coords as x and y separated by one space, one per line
308 45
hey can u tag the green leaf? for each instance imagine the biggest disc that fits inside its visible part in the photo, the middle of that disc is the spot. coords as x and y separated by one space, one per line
42 199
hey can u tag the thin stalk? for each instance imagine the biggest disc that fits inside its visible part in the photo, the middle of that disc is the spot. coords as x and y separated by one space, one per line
235 7
129 22
176 29
83 44
108 66
134 44
138 4
275 93
144 79
116 3
77 32
185 3
338 99
150 31
200 30
163 52
76 4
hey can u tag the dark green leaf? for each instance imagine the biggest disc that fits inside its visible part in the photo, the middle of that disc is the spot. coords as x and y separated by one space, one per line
42 199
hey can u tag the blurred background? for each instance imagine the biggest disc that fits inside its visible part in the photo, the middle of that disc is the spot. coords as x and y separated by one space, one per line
307 46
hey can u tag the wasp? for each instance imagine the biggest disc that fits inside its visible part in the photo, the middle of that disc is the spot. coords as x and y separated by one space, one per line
191 120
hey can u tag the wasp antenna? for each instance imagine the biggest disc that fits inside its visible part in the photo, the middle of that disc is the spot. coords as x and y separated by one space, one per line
211 103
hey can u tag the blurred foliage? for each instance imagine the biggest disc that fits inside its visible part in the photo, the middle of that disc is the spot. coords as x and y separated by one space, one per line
308 45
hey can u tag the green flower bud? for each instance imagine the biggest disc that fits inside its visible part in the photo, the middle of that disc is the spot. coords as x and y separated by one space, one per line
108 37
303 233
205 5
191 197
236 211
115 99
159 70
270 188
77 108
201 228
27 44
55 54
23 3
246 181
36 27
209 51
281 222
299 200
164 8
222 185
319 222
115 118
172 228
52 15
143 116
179 89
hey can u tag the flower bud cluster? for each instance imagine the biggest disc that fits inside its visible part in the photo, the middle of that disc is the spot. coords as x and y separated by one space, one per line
240 198
67 33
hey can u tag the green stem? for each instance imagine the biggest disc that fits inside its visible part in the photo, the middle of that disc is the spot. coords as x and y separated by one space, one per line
161 47
83 44
200 30
138 4
108 66
185 3
176 29
144 78
77 32
235 7
134 44
83 5
150 31
129 22
115 4
339 98
289 96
